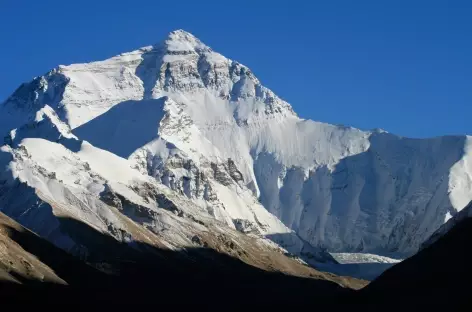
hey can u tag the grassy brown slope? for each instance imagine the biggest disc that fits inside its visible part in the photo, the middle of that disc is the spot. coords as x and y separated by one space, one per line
26 258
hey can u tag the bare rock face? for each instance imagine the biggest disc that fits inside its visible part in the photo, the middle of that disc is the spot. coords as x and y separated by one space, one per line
245 226
110 198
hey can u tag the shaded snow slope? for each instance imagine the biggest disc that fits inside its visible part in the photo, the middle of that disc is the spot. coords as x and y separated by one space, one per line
204 129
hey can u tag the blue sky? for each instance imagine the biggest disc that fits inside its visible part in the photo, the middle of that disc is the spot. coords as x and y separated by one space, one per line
404 66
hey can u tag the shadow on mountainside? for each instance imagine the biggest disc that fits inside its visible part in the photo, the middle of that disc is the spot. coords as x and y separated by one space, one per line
125 127
143 274
439 274
55 258
149 70
394 171
385 200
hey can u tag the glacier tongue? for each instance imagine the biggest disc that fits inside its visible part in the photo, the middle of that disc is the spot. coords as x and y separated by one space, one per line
180 119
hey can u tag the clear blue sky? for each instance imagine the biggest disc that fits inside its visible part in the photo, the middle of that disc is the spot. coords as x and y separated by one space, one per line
404 66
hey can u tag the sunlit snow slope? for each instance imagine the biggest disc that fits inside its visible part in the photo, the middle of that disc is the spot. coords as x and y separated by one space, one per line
179 117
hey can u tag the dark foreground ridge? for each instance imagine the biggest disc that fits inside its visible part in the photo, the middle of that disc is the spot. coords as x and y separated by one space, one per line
144 275
140 274
440 274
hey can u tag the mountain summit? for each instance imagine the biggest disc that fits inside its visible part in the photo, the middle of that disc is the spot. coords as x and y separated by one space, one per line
178 140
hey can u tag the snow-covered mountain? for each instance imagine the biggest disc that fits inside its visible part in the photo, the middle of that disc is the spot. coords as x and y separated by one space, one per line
179 126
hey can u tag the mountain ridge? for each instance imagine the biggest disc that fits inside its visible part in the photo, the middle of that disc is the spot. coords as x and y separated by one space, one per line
180 116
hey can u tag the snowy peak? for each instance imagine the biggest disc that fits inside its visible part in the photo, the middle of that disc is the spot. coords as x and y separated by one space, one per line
183 63
179 64
182 42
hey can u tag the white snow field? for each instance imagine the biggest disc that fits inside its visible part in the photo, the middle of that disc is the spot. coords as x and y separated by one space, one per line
179 121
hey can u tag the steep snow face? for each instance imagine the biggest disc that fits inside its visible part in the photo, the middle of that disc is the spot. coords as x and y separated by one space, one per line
203 126
460 186
386 199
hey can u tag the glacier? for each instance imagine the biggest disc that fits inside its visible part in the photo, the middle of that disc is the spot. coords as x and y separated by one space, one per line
177 124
